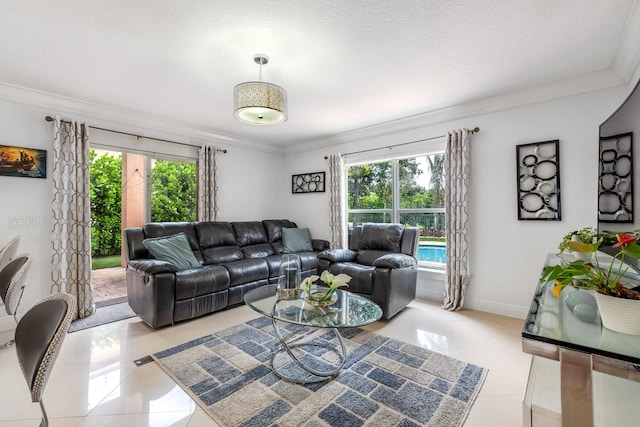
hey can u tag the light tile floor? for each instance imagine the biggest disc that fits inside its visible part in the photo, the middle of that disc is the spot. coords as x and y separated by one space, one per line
95 382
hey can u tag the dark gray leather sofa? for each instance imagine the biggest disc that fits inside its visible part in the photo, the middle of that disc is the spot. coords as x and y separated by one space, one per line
235 257
381 261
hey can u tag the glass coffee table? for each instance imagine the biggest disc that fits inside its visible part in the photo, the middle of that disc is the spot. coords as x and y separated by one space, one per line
301 323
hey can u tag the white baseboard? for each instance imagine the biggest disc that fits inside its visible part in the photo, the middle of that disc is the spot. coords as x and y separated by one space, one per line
6 324
487 306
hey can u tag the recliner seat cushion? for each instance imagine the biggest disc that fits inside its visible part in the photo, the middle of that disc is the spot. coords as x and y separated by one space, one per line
381 237
368 257
247 271
201 281
362 276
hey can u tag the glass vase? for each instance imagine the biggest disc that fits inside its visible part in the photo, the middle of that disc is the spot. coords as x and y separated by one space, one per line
289 277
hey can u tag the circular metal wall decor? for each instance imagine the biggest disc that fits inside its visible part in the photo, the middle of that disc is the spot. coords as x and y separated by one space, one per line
615 183
538 169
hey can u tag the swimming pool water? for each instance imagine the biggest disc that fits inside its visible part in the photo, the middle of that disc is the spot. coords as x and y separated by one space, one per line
431 253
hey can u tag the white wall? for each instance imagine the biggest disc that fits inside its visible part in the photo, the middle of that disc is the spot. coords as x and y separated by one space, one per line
506 254
27 197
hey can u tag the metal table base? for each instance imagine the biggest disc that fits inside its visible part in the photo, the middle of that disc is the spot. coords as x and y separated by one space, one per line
293 340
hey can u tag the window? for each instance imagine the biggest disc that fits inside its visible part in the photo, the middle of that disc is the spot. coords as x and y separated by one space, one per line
128 190
409 191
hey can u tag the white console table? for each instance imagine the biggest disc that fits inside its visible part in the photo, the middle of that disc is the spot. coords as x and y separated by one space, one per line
555 330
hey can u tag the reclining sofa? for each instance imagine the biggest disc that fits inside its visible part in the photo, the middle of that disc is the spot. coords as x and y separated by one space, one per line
381 261
231 258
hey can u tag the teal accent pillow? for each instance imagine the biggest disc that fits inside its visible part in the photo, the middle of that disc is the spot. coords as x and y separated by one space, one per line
296 240
174 249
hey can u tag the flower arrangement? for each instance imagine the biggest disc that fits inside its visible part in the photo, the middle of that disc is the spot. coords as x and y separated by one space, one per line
587 273
324 295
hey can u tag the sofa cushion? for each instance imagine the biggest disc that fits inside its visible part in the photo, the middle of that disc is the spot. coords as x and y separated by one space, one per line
296 240
215 234
249 233
381 237
274 227
201 281
218 242
247 271
174 249
258 251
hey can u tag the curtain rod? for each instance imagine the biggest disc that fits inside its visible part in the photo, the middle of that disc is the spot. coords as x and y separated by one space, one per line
50 119
389 147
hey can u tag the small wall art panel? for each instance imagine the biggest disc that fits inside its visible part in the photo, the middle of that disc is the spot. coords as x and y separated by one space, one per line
615 179
538 169
23 162
308 183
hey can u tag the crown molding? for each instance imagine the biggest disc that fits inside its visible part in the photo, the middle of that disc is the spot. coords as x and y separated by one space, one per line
146 125
124 120
627 57
518 98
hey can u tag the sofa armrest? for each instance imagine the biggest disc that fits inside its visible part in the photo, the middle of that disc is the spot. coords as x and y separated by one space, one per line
152 266
338 255
319 244
395 261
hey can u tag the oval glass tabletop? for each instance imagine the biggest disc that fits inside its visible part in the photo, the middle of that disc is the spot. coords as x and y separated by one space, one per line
350 310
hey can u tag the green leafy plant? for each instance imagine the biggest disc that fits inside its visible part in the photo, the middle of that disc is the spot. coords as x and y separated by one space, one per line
584 235
588 273
324 294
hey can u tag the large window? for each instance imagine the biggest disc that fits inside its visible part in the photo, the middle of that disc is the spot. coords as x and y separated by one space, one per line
408 191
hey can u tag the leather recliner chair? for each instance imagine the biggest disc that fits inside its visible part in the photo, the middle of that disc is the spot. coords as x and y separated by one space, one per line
381 261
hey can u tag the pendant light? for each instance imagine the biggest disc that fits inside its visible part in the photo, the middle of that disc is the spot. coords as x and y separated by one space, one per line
260 103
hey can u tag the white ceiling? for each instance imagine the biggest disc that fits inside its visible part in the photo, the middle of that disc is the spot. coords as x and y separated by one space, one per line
346 65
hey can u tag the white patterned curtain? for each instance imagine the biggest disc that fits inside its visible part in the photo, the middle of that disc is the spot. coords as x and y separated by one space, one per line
71 234
207 184
337 205
457 171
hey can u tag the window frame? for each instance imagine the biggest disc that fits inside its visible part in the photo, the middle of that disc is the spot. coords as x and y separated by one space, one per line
396 211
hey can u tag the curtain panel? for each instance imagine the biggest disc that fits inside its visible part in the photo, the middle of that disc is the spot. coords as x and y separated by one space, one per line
457 177
207 184
71 215
337 205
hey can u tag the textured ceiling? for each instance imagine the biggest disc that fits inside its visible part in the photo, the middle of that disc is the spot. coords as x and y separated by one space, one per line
345 64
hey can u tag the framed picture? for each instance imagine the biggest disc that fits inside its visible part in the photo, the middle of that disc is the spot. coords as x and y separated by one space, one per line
615 178
538 172
23 162
308 183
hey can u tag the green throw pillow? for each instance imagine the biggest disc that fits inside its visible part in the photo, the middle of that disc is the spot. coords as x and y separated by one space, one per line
296 240
174 249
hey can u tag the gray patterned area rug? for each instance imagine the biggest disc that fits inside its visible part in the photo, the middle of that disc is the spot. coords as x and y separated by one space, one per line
385 382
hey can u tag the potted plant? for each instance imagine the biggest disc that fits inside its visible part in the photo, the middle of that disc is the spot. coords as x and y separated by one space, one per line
606 280
323 296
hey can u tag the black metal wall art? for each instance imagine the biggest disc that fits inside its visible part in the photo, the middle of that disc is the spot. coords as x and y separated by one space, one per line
615 180
308 183
538 168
